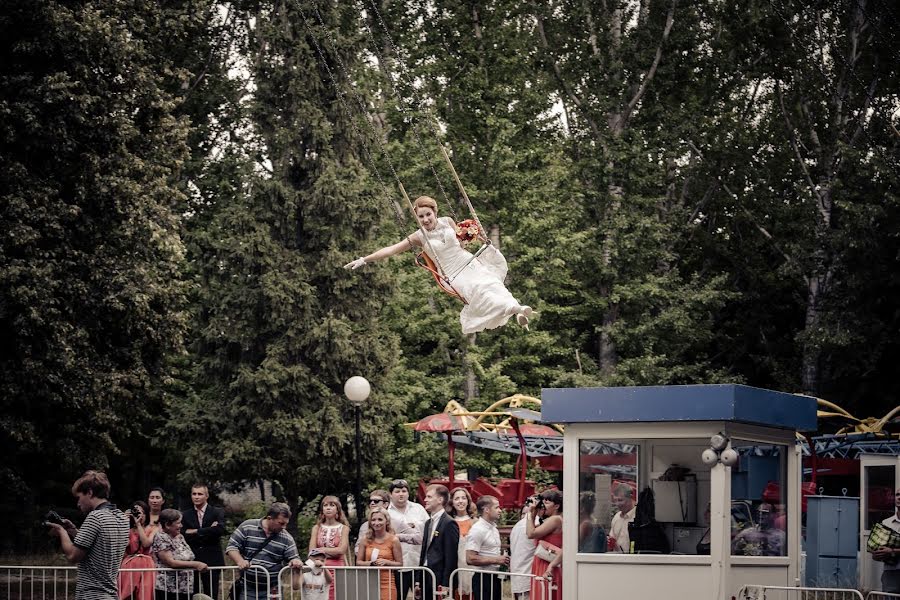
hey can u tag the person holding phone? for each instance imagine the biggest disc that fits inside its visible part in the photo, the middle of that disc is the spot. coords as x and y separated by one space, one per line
548 534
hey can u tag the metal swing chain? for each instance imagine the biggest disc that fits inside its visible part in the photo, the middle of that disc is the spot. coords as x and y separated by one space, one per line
406 113
430 119
362 137
334 81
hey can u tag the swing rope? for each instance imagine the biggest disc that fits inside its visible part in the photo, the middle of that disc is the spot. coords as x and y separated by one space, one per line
429 116
430 119
439 274
406 114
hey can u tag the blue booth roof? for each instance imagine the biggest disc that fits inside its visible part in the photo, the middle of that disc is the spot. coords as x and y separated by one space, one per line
668 403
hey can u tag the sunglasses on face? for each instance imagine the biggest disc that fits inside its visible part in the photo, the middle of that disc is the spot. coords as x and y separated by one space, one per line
375 500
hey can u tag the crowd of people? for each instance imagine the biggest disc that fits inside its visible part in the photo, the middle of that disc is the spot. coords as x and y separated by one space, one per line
151 552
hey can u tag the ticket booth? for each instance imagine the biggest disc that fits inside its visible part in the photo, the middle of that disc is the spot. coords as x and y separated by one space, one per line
709 473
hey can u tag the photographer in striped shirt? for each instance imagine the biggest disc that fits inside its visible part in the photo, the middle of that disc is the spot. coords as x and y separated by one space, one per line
99 544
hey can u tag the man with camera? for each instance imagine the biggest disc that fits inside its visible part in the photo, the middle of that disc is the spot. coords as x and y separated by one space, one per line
204 526
99 545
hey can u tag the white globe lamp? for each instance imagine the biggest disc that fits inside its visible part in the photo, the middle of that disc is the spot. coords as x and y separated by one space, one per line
729 457
718 442
709 457
357 390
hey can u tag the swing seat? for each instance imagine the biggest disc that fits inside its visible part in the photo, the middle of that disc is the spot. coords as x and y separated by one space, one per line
424 261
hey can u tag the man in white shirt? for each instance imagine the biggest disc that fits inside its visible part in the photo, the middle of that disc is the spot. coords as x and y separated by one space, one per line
623 498
483 550
890 576
414 516
521 554
405 534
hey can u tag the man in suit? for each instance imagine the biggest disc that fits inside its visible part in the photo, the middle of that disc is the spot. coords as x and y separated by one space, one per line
440 542
204 526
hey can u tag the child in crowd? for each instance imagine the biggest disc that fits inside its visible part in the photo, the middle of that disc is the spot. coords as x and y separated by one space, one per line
316 581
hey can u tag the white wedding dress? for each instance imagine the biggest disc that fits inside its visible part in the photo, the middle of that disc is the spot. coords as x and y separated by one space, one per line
478 280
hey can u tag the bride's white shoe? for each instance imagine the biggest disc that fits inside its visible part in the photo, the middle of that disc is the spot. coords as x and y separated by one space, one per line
523 315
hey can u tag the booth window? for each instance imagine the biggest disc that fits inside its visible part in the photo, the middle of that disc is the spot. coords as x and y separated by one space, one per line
608 478
759 499
880 486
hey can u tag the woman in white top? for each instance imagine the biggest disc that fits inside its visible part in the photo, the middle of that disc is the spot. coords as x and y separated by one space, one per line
478 280
331 536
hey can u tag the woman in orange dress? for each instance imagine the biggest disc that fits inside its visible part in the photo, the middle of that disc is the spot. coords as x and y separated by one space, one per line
381 548
331 535
549 535
138 584
462 509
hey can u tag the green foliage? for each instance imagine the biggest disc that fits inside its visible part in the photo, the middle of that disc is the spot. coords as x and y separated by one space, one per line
91 301
281 325
181 183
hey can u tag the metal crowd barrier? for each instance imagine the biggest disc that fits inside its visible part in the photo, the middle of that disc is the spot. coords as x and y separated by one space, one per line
775 592
492 585
361 583
58 583
876 595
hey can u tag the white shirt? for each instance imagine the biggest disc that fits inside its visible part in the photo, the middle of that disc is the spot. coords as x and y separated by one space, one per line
399 528
521 554
618 529
892 523
414 516
484 539
314 585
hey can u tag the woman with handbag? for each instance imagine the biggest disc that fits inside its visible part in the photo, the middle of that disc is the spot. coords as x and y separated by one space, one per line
547 510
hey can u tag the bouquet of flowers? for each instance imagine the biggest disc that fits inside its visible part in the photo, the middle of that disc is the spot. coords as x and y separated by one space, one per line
467 230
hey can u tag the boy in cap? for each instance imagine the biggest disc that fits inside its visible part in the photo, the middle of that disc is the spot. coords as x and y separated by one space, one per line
316 579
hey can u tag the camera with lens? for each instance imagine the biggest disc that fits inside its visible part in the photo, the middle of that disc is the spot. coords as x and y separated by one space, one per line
52 517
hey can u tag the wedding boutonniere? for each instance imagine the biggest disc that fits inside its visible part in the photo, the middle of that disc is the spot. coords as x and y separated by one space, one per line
435 534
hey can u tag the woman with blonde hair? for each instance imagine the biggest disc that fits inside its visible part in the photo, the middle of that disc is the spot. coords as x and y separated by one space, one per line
331 535
381 548
478 280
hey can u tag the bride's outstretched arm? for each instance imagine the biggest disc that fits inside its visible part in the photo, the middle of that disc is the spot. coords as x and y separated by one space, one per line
386 252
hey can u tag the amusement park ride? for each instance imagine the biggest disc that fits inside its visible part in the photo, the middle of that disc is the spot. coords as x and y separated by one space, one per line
513 425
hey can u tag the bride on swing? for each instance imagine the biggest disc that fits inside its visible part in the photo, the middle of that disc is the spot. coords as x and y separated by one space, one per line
478 280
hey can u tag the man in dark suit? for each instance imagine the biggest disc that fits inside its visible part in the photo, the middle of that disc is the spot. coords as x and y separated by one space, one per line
203 527
440 542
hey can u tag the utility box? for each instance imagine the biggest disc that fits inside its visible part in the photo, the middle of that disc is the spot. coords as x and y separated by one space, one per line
832 543
676 501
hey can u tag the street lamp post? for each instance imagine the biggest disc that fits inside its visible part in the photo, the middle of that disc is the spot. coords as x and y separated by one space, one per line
357 390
